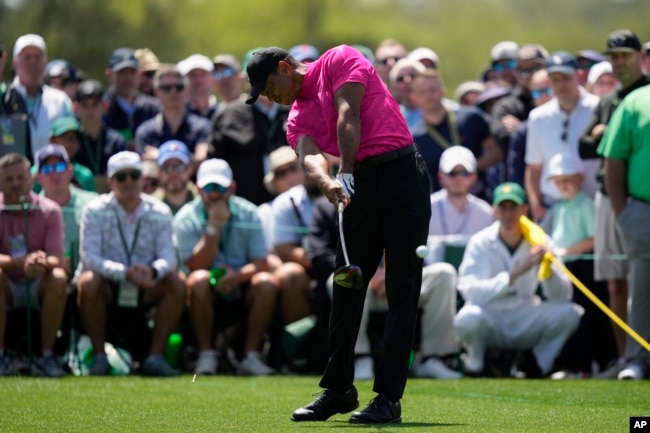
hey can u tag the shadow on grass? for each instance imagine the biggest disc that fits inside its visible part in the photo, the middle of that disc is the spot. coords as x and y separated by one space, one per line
345 424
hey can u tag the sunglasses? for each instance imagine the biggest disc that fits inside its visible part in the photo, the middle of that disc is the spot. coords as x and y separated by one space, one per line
565 130
525 72
212 187
538 93
149 74
224 73
59 167
389 59
283 172
121 176
502 65
173 168
459 173
168 87
402 78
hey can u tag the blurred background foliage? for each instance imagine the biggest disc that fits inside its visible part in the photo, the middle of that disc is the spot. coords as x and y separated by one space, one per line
462 32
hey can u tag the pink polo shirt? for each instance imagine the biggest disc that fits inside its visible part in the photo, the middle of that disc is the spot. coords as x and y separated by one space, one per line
45 222
313 113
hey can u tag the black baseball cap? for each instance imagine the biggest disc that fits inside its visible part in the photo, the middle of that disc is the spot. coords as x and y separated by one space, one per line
260 65
623 40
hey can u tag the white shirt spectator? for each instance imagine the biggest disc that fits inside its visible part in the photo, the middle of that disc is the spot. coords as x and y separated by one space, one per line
49 105
448 226
544 140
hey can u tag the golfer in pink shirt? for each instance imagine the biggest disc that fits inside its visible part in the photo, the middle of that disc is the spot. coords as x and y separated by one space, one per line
340 106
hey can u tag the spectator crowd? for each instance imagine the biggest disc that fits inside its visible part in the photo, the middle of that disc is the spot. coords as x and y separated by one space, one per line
164 201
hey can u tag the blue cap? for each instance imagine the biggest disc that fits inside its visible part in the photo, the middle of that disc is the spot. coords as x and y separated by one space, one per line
173 149
304 53
562 62
123 58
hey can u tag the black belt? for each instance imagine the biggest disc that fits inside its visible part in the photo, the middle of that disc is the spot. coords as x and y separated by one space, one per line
374 161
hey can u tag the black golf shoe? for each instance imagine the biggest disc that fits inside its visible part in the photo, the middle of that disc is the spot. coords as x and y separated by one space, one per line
380 410
327 404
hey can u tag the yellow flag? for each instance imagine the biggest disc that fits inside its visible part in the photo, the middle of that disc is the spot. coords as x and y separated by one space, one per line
536 236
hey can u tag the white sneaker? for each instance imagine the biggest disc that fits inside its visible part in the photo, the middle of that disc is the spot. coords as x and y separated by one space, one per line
252 365
631 372
435 368
207 362
364 368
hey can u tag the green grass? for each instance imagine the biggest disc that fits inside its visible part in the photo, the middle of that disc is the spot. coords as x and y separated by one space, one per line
231 404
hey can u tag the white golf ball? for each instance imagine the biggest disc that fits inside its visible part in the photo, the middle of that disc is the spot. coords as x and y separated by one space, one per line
422 251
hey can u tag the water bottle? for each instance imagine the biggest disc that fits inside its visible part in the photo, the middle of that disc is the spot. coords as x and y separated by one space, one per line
173 349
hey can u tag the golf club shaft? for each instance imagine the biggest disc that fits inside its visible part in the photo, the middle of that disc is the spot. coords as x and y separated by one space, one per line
343 247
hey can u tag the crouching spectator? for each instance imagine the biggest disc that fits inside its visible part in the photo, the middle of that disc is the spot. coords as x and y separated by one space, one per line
498 279
128 258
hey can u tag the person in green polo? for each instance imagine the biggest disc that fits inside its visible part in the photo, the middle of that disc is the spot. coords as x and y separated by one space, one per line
626 149
65 132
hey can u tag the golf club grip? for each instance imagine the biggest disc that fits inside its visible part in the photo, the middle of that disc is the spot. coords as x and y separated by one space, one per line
343 247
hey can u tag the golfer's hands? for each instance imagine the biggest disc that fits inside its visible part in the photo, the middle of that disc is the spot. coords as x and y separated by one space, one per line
347 183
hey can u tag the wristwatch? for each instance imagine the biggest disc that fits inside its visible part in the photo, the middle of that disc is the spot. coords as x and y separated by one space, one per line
211 230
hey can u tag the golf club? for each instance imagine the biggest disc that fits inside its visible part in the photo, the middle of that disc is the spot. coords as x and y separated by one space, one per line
348 276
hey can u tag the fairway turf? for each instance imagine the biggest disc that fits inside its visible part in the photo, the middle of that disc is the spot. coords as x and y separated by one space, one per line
264 404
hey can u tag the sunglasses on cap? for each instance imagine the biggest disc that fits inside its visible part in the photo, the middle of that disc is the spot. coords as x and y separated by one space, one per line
212 187
502 65
459 173
282 172
180 168
565 130
538 93
166 88
123 175
59 167
224 73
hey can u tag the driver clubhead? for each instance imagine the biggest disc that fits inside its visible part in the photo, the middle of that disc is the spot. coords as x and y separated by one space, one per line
349 277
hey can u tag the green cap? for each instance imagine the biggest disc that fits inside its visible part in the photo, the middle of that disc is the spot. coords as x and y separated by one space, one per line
63 125
509 191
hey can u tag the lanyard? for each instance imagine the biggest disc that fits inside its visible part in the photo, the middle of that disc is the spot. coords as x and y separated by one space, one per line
452 124
443 220
127 250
